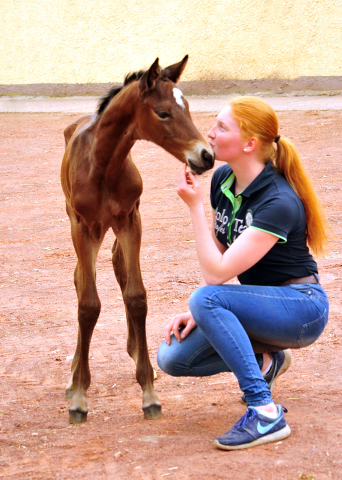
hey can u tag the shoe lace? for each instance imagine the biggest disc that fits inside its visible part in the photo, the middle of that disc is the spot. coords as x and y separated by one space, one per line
249 415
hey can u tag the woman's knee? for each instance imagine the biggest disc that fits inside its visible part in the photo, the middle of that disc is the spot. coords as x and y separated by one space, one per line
198 301
202 301
166 359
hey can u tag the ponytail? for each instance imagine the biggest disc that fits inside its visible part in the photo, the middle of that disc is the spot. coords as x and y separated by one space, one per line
257 118
288 163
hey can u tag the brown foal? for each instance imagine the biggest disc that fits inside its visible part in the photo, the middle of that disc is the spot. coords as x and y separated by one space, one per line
102 188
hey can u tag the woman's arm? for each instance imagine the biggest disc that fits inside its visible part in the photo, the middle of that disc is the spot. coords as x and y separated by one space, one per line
218 267
186 319
218 244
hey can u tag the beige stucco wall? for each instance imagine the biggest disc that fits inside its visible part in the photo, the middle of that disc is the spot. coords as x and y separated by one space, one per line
87 41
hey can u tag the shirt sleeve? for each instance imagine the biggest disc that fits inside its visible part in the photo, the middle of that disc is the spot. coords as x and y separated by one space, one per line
278 216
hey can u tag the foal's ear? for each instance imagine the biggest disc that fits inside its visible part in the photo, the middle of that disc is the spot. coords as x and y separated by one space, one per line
173 72
148 80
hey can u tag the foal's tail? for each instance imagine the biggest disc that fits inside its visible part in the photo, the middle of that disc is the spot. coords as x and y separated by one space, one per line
69 131
86 120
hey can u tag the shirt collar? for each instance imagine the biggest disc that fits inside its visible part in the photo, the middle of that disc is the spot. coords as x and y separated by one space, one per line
264 178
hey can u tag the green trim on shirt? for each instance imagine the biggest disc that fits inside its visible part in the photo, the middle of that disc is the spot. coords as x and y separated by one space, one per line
234 200
281 239
228 183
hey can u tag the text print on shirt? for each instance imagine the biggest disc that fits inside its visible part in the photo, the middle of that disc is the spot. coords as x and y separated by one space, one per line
236 226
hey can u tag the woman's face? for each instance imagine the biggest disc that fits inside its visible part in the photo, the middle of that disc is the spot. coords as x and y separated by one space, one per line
225 137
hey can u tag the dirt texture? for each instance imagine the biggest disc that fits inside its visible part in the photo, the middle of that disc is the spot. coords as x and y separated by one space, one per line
39 329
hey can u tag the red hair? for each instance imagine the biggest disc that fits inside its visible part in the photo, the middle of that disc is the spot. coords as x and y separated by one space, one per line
257 118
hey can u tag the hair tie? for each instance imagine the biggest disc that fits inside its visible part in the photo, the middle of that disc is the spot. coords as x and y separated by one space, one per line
277 139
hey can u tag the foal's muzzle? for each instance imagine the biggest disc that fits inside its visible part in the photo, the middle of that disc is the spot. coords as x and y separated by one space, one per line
207 162
208 159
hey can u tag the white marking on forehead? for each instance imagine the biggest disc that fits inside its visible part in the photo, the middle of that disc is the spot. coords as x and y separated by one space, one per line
179 97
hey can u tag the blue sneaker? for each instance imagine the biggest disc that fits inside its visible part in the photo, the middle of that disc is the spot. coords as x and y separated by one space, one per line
254 429
281 362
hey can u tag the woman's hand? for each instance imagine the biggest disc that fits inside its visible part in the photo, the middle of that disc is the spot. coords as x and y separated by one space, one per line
179 320
189 189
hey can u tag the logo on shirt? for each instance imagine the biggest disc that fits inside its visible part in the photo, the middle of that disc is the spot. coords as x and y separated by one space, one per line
249 218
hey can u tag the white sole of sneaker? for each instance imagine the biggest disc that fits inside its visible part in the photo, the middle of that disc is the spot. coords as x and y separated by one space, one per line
273 437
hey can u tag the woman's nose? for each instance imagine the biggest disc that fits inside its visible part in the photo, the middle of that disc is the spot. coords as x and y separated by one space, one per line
211 133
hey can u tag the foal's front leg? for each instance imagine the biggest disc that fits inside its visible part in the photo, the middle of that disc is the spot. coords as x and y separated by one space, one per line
89 307
121 276
126 265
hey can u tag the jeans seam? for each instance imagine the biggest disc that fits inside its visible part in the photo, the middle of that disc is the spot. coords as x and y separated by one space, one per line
195 355
280 297
195 368
307 325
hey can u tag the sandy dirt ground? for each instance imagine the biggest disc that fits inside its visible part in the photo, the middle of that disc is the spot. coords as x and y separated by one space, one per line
39 329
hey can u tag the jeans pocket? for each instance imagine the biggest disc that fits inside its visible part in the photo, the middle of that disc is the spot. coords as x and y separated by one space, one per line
302 287
312 330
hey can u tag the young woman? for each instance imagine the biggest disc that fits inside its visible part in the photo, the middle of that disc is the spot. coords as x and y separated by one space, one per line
265 218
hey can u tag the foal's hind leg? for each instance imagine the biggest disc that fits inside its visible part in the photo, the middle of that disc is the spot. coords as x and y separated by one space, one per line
127 271
89 307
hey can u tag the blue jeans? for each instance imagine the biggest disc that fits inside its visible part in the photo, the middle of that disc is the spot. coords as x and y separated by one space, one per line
236 321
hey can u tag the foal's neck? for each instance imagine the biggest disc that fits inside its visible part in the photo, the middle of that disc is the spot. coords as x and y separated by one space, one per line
114 136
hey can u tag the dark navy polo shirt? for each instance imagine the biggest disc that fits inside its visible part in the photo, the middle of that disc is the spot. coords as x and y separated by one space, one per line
270 204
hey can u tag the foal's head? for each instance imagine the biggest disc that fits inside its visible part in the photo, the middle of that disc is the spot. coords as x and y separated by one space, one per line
161 114
165 119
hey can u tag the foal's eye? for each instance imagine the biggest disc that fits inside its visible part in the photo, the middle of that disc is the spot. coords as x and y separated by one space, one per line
163 115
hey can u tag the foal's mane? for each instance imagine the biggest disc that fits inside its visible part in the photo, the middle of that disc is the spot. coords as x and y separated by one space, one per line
105 100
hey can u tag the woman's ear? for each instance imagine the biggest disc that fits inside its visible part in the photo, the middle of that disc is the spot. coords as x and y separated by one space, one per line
251 145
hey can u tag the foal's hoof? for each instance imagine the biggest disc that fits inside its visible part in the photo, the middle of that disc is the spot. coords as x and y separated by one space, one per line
152 412
76 417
